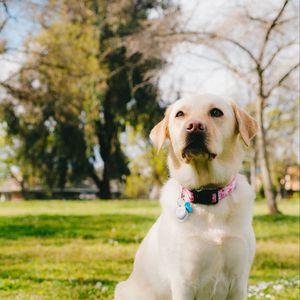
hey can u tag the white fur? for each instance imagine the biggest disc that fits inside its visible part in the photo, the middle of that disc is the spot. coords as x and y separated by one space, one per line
209 256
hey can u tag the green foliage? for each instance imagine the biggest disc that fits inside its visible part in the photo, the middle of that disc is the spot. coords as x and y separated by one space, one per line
158 164
148 168
80 250
79 88
136 186
55 88
4 169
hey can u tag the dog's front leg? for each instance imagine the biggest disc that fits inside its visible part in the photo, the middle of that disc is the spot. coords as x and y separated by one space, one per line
181 291
238 290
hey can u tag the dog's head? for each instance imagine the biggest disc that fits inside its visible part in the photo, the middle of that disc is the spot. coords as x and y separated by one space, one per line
203 129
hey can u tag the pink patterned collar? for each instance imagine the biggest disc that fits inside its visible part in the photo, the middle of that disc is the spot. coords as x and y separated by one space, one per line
208 196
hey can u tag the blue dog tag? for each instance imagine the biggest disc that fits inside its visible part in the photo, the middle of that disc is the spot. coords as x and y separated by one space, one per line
188 207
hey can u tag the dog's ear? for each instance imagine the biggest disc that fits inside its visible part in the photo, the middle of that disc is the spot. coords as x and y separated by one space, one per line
247 126
160 132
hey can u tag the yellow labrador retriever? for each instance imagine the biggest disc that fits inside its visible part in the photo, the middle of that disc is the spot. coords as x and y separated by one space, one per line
202 245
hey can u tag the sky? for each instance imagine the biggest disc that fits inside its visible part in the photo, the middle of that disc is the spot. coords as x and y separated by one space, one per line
15 33
184 74
188 74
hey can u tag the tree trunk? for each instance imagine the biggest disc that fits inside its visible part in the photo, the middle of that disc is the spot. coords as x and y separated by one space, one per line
105 131
105 192
23 189
23 185
253 169
263 160
95 178
102 185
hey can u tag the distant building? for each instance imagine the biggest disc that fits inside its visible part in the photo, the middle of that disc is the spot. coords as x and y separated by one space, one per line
10 189
291 180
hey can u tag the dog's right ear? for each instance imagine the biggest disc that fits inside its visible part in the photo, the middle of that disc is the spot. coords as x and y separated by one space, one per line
160 132
247 125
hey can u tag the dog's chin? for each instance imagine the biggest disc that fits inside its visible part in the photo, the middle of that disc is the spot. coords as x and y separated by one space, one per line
191 154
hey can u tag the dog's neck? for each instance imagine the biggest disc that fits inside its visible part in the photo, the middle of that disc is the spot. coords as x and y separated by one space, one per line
206 173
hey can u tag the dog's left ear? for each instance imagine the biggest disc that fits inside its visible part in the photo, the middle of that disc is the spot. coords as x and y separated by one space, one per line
247 125
159 133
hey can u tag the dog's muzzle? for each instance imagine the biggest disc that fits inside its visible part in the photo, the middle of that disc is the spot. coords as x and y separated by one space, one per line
196 145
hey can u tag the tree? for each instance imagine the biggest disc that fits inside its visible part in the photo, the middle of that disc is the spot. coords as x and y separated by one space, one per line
260 48
85 90
51 104
4 18
130 97
148 169
283 129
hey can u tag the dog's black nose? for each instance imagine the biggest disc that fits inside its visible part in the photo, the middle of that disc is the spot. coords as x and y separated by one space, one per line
195 126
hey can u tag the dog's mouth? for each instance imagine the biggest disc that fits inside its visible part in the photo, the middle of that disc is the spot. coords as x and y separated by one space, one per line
196 146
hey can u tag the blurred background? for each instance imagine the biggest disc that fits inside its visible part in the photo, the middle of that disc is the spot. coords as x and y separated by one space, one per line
81 85
83 82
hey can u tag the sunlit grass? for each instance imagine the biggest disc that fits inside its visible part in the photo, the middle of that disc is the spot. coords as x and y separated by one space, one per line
80 250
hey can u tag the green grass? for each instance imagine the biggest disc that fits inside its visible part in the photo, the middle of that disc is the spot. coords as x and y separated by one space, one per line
80 250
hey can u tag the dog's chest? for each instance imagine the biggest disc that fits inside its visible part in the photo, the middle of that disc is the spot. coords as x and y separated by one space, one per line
208 258
211 249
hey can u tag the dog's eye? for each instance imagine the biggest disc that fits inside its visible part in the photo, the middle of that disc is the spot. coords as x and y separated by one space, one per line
216 113
179 114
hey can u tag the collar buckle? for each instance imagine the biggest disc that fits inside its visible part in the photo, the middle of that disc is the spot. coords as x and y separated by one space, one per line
207 197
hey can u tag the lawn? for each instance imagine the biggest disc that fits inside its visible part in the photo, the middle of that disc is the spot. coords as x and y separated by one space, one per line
80 250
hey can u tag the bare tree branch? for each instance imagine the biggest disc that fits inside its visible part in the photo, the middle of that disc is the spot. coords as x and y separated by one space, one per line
6 19
203 36
273 24
4 4
266 22
282 79
276 52
225 63
2 25
241 47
